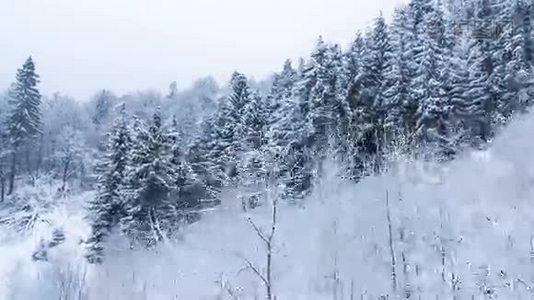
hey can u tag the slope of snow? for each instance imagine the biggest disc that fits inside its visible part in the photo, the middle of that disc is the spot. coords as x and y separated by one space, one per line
20 276
464 229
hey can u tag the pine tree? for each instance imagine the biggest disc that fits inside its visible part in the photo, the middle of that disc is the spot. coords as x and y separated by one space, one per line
340 135
253 165
370 100
513 60
283 85
288 134
316 94
465 109
151 212
254 120
433 113
107 208
25 118
353 59
229 130
490 65
349 148
203 158
525 17
417 13
397 83
290 160
326 97
186 200
280 102
415 31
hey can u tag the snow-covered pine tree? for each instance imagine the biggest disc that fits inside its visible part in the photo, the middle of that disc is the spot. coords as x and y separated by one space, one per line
465 91
281 93
417 14
491 65
433 112
316 96
151 211
327 98
308 76
353 59
524 17
288 133
353 72
176 133
107 208
514 58
282 87
191 192
321 94
395 91
229 130
280 102
433 127
254 120
203 158
24 121
414 29
369 103
340 135
254 171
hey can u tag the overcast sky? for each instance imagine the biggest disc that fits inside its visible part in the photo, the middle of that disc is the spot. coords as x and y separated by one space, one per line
80 46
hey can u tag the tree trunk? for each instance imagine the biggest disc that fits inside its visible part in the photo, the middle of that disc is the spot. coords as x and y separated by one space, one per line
28 162
65 173
39 161
2 188
269 263
12 172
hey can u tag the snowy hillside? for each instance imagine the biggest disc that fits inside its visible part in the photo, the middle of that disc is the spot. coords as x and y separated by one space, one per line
461 229
395 166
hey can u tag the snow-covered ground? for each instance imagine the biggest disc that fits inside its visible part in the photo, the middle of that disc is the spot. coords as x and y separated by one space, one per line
464 229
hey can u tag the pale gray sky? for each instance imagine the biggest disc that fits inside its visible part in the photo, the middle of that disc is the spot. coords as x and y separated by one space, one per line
80 46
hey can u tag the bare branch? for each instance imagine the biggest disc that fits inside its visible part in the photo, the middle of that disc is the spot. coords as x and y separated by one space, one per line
257 229
268 240
227 287
391 247
256 271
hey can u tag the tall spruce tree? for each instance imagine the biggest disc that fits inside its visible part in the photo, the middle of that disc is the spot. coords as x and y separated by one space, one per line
253 160
327 97
107 208
229 130
414 33
395 91
370 101
24 121
203 159
288 133
316 97
151 211
466 110
433 127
